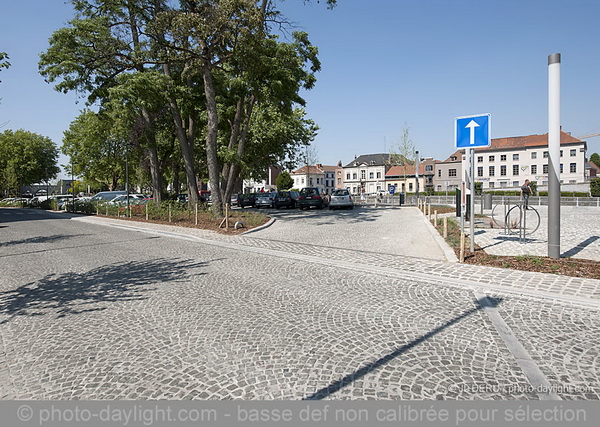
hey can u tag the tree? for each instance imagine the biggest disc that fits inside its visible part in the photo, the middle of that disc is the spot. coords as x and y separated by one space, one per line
310 157
284 181
403 152
4 60
25 158
595 187
595 159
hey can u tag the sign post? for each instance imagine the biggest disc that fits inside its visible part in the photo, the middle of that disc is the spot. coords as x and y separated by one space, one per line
471 132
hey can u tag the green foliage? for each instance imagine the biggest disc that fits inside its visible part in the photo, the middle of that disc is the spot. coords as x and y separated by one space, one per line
25 158
284 181
478 188
595 187
595 159
4 60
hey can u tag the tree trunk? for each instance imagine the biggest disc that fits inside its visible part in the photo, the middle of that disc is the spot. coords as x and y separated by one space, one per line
152 155
212 160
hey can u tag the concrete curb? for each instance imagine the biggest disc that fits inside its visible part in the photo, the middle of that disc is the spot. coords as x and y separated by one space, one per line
445 247
261 227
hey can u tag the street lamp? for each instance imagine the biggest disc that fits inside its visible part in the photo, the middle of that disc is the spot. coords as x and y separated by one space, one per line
127 177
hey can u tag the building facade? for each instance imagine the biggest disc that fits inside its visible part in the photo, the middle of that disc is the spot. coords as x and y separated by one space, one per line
321 176
508 162
404 178
366 173
448 174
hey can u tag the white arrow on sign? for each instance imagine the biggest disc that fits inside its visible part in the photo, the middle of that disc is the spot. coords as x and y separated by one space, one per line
472 125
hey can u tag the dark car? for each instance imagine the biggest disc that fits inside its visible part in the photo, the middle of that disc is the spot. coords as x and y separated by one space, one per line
248 199
287 199
311 196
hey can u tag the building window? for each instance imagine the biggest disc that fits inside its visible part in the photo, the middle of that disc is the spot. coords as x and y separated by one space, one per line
572 153
428 168
533 169
515 170
534 155
363 174
545 154
354 175
492 158
339 181
310 181
503 157
453 158
492 171
439 173
561 168
479 159
545 169
560 153
451 172
479 170
348 176
504 184
491 185
503 170
573 168
302 181
515 183
515 157
410 186
378 175
371 175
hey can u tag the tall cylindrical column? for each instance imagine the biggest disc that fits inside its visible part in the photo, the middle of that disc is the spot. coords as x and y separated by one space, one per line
554 155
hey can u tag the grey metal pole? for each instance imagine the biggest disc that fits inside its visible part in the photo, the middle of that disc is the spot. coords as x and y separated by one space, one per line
472 201
554 155
417 175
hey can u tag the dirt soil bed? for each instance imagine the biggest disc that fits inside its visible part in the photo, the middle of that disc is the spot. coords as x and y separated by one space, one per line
209 222
564 266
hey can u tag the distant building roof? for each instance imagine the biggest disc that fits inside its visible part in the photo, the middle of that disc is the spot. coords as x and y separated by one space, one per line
370 159
318 168
527 141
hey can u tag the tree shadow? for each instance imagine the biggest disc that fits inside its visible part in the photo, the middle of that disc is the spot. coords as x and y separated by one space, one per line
350 378
41 239
28 214
575 250
327 217
75 293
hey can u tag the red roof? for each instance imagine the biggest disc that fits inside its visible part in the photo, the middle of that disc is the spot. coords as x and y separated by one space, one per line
527 141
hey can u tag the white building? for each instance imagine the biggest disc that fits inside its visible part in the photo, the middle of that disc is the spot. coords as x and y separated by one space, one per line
508 162
321 176
366 173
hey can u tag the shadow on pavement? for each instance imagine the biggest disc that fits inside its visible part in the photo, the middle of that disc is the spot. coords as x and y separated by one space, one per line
325 216
350 378
574 251
8 215
41 239
75 293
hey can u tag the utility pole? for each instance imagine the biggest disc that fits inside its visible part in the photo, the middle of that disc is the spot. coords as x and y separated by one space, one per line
554 155
417 174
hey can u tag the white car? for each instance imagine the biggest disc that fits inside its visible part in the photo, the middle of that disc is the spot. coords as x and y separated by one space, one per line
341 199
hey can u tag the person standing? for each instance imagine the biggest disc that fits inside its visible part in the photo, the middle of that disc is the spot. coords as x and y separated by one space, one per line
525 193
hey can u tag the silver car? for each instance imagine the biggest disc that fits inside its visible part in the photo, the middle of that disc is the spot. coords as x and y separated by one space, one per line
341 199
266 200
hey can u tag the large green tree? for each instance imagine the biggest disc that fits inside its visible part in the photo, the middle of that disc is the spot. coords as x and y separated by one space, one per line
25 158
595 159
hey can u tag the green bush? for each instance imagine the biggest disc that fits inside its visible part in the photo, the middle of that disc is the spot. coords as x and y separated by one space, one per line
595 187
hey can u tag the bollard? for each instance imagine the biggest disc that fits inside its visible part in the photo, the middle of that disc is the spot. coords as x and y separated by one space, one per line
97 208
146 211
435 218
169 213
196 213
445 227
429 210
462 247
227 216
106 210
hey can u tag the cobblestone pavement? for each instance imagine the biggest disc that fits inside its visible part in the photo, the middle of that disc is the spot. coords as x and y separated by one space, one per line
95 312
579 236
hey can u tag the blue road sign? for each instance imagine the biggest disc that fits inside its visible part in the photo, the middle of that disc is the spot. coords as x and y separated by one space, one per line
391 189
472 131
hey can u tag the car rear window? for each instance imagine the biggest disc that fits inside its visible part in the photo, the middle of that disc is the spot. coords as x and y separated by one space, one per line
341 193
309 191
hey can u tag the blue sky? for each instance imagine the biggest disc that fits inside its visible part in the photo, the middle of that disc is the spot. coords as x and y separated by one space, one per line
384 63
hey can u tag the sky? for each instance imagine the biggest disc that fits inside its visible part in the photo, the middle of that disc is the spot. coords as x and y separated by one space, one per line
386 64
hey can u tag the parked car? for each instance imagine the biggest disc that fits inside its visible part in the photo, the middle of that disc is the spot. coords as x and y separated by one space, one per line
311 196
122 199
248 199
341 199
286 198
266 199
107 196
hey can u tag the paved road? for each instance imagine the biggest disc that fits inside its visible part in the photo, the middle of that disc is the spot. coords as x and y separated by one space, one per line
93 309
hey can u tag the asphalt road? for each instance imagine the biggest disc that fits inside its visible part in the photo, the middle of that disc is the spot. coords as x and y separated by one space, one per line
98 310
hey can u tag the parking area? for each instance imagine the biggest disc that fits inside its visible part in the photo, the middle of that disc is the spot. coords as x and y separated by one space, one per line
398 231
